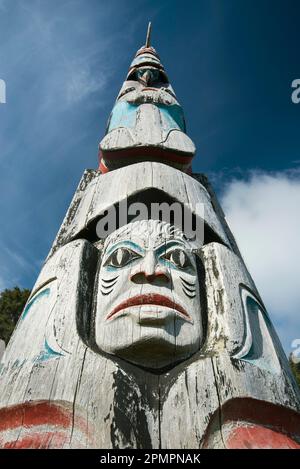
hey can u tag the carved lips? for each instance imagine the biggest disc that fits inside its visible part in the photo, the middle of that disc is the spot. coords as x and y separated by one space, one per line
150 300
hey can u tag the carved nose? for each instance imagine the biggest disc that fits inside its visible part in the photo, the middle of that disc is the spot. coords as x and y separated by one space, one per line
157 278
150 272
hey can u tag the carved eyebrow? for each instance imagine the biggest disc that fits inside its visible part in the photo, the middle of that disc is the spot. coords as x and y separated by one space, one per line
129 244
168 245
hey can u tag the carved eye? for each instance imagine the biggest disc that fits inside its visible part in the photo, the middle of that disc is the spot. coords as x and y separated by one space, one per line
120 257
179 258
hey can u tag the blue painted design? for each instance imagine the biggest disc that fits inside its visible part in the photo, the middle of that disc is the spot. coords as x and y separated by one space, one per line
129 244
47 353
169 244
257 355
172 117
122 115
37 297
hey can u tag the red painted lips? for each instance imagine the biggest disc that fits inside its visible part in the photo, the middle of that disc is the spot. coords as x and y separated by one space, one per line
150 300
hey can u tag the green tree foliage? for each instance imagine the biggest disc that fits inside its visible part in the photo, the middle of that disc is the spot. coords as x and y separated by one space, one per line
12 303
295 369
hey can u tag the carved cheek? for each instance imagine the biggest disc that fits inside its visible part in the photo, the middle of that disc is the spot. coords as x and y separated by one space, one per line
188 285
112 284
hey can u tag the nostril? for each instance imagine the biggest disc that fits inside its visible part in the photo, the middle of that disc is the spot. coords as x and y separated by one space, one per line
157 277
150 278
137 278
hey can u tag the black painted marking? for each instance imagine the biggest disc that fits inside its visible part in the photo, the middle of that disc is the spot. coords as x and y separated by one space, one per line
129 426
108 286
187 294
187 283
110 280
106 293
190 290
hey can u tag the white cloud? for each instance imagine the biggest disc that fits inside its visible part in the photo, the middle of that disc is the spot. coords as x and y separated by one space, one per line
264 215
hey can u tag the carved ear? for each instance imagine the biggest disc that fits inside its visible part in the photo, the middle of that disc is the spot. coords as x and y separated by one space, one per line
237 321
86 294
224 272
60 304
75 270
203 294
258 347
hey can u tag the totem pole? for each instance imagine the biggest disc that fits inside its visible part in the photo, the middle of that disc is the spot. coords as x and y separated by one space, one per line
144 328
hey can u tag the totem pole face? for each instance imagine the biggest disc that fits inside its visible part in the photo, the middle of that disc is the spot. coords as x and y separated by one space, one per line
148 305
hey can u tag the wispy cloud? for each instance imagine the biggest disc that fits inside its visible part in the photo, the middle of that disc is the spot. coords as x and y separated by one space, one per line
263 212
59 60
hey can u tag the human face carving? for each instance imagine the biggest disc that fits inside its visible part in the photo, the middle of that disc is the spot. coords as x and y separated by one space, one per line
148 302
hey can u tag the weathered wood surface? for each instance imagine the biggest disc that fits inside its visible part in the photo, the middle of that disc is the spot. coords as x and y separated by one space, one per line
87 177
146 339
188 401
148 131
59 390
146 122
106 190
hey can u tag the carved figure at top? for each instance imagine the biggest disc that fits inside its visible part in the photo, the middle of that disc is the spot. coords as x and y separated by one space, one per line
147 122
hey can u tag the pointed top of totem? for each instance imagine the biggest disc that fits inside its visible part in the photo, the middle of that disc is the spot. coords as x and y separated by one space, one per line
147 48
148 37
147 122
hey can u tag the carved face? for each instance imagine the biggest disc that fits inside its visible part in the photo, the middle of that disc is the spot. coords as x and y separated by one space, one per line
148 304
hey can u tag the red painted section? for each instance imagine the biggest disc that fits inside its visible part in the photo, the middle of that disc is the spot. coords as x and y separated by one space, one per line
33 413
150 299
148 153
103 168
40 424
257 437
55 439
251 423
264 413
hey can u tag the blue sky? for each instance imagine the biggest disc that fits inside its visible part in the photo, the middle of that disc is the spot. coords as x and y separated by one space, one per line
231 63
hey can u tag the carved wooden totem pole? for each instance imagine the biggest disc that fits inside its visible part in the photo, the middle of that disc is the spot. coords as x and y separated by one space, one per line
144 328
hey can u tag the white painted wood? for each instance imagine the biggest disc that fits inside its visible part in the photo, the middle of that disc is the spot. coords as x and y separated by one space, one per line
148 132
107 400
248 359
163 323
188 404
224 274
87 177
85 382
108 189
